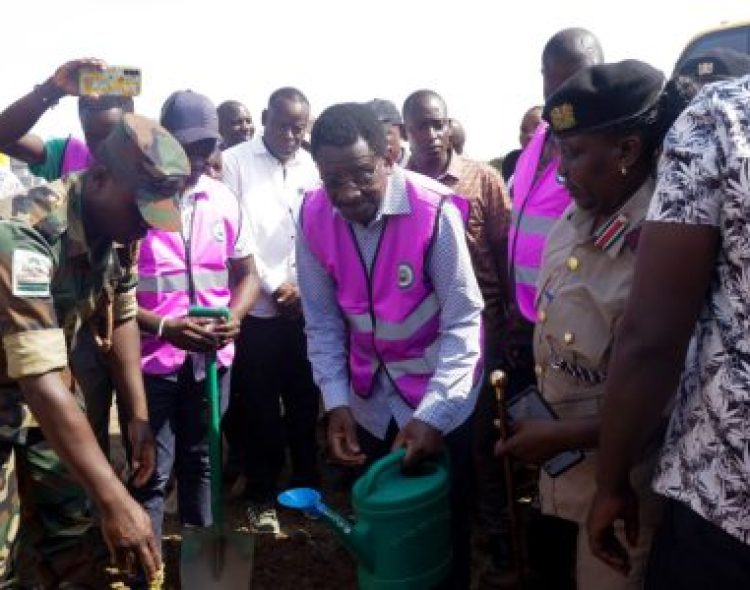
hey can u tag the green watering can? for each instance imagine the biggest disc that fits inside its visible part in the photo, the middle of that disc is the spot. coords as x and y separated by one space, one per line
401 537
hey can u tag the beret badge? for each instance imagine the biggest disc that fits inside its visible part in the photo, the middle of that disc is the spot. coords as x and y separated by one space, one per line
563 117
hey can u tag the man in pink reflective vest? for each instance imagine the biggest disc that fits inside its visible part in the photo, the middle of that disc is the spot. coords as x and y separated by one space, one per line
208 263
392 309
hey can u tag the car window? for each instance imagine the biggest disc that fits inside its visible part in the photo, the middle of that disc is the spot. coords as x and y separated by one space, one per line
737 39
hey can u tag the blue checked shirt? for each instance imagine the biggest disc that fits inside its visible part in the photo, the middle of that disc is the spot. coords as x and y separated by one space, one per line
450 397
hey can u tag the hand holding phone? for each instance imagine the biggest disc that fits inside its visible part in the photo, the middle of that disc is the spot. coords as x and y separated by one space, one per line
531 408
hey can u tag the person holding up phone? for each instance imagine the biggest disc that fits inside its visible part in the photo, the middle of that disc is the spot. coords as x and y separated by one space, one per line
609 121
51 160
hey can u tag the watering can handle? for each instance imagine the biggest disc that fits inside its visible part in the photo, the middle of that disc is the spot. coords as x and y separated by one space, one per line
214 425
371 477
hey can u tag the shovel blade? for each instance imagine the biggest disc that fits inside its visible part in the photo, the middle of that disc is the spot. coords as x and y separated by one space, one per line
211 560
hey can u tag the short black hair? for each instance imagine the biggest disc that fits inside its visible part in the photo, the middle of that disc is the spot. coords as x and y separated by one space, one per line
341 125
225 106
287 93
93 104
417 97
575 46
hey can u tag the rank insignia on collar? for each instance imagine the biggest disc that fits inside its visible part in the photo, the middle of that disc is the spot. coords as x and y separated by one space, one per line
563 117
611 231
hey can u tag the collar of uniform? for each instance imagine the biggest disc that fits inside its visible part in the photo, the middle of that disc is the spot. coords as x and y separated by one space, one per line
455 168
612 233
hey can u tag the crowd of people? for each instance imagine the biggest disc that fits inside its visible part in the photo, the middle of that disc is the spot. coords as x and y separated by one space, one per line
375 276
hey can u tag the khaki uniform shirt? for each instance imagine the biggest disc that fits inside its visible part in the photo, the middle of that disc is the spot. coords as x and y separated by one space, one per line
53 278
583 286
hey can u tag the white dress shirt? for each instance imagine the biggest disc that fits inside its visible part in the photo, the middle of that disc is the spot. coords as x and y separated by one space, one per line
271 193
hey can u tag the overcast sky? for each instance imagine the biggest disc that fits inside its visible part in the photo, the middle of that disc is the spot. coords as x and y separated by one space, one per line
483 57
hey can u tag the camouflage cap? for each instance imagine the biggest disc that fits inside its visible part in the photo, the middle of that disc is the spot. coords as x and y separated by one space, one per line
144 155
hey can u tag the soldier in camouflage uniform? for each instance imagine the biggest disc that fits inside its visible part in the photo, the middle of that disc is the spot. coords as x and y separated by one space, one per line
60 269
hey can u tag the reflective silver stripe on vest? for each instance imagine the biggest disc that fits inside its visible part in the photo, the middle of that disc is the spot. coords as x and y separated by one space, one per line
527 275
362 322
533 224
414 321
202 281
359 322
417 366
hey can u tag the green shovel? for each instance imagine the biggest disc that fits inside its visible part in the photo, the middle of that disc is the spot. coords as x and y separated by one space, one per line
215 557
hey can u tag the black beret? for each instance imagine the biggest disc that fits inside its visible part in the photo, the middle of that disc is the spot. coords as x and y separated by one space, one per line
603 96
715 64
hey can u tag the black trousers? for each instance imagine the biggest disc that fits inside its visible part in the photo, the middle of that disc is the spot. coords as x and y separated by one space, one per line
690 553
458 443
271 369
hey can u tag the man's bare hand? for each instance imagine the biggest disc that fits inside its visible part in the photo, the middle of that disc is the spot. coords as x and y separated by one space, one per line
127 531
421 440
65 78
342 437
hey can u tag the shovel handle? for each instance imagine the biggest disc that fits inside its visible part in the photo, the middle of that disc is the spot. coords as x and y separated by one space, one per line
214 425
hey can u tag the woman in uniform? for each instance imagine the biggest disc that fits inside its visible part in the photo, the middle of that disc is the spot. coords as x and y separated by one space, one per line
609 121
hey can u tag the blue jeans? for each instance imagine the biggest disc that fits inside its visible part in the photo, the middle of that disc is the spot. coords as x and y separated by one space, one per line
178 415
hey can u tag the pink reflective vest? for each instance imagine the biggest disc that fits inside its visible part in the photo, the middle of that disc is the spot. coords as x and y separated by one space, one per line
392 312
174 273
537 205
76 157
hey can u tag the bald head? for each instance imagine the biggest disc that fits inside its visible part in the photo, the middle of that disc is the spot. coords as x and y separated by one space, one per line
567 52
235 123
458 136
419 98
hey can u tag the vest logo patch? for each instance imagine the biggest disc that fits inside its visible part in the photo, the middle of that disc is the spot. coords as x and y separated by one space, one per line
405 276
32 274
219 232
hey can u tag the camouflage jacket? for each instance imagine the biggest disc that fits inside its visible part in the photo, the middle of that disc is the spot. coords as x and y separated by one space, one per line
53 278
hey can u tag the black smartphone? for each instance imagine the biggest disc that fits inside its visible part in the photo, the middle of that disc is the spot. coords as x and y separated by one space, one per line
530 405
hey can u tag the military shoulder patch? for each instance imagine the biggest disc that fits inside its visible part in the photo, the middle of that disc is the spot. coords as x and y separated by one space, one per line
32 274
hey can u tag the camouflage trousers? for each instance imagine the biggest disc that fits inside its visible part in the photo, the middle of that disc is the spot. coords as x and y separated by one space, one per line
10 508
57 544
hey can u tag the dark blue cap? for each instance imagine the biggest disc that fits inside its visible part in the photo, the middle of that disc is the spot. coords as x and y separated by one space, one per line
190 117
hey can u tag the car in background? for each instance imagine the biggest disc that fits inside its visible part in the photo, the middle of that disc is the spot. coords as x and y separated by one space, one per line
734 36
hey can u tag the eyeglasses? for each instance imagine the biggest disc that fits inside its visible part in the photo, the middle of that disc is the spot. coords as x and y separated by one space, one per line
362 178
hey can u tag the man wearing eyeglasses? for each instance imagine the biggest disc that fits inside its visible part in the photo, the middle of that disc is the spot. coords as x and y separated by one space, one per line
392 309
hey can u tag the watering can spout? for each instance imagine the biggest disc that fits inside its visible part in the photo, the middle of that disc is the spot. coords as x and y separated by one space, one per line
352 535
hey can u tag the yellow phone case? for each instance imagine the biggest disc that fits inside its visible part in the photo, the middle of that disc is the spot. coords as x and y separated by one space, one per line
115 80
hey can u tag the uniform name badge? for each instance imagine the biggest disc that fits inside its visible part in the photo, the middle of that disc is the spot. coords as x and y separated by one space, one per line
32 274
